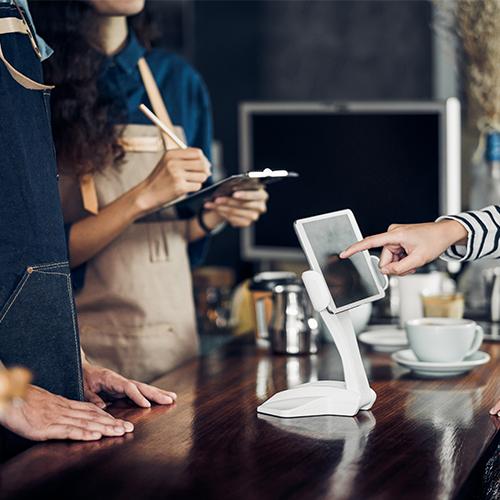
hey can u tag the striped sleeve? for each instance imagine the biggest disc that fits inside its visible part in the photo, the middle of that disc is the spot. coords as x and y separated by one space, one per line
483 229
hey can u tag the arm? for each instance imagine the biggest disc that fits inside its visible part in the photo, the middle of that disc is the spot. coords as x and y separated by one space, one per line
483 235
179 172
466 236
408 247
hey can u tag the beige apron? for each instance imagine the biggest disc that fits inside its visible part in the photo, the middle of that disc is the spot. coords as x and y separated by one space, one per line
136 309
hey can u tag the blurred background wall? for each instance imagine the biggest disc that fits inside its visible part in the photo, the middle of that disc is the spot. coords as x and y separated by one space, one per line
301 50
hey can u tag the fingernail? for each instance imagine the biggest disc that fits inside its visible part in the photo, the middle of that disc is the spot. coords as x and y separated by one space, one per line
96 435
119 429
101 405
492 411
342 254
129 426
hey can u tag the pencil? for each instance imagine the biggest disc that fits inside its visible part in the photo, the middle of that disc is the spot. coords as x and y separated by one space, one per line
162 126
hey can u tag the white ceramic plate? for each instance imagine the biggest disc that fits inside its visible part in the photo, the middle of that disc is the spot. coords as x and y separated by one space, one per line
408 359
384 339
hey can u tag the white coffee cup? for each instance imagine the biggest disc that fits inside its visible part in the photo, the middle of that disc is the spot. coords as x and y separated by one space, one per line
443 340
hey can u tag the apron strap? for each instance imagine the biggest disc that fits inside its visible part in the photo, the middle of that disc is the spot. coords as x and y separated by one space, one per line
12 25
87 183
16 25
88 192
156 101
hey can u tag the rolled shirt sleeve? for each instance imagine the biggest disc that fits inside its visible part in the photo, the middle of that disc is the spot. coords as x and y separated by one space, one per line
483 230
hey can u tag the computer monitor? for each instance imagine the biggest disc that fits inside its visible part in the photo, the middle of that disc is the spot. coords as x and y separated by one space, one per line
389 162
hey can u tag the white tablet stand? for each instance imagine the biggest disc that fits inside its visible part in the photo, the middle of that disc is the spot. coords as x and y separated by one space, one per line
328 397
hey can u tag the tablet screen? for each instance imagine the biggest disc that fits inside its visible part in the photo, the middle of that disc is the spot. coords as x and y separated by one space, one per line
349 280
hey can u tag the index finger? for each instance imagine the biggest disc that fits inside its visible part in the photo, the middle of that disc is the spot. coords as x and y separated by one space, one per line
190 154
376 241
186 154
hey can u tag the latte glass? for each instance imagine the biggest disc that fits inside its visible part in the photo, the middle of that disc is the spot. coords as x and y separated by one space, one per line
443 305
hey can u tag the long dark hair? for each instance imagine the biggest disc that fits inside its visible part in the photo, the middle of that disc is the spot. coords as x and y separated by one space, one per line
83 122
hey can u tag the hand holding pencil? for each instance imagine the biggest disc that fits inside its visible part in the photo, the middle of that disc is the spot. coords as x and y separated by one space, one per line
179 172
165 129
240 210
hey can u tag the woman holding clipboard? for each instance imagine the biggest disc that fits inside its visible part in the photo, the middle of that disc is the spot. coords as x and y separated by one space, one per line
134 298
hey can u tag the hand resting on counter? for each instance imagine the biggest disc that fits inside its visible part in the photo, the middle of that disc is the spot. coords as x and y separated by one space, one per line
98 380
41 416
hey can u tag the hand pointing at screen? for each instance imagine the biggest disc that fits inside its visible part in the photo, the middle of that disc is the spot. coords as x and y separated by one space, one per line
406 247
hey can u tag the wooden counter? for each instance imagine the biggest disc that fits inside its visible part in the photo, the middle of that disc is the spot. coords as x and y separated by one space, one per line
422 440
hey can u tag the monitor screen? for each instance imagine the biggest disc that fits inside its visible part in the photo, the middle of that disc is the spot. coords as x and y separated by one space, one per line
349 280
384 166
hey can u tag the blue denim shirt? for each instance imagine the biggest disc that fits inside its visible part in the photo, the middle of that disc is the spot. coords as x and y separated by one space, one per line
45 50
182 89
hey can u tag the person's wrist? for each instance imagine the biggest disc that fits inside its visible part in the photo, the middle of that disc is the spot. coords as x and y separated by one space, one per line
142 203
86 365
210 221
9 414
456 232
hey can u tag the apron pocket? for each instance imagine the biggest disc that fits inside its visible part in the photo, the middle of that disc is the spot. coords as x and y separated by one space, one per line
38 329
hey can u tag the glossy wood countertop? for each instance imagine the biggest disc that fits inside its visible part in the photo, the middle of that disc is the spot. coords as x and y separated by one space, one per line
422 439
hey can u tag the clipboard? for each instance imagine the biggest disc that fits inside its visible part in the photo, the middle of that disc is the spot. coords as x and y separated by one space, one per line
189 206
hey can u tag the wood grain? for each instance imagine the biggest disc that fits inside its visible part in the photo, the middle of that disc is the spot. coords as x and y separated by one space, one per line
422 439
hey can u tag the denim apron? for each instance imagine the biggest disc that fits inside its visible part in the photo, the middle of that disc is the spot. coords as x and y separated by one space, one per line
38 326
136 308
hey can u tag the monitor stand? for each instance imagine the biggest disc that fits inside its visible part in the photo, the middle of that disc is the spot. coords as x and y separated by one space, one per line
327 397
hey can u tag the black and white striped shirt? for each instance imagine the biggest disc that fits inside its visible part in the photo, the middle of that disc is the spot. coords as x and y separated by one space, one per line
483 228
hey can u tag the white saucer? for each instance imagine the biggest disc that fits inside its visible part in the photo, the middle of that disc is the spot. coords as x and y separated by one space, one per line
385 339
408 359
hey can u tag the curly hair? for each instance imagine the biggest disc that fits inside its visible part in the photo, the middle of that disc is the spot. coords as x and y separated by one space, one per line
83 122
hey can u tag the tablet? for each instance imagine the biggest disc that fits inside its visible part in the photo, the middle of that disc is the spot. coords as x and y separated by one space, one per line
188 206
352 281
